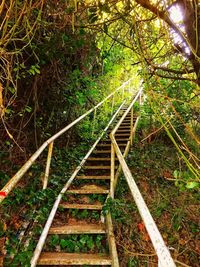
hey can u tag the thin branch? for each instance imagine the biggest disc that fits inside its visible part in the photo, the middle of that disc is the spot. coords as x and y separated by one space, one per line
175 78
172 70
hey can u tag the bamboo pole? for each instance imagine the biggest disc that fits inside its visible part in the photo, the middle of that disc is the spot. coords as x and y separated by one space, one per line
46 175
16 178
48 224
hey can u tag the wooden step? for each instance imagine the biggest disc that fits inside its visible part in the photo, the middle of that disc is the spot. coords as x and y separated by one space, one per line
99 159
81 206
102 151
123 134
124 127
123 131
118 140
98 177
97 167
108 145
128 120
78 229
60 258
122 139
89 189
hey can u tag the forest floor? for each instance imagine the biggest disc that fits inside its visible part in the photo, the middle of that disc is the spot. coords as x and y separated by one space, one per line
176 211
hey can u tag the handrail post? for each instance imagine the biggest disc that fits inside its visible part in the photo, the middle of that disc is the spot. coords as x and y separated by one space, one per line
140 99
93 123
113 101
46 175
131 130
112 171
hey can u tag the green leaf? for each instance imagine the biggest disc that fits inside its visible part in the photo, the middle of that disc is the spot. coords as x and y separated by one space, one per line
90 243
176 174
191 185
28 109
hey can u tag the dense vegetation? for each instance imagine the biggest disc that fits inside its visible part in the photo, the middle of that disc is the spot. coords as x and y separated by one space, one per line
59 58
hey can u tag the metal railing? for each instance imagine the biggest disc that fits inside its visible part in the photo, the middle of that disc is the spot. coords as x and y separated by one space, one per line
164 257
50 142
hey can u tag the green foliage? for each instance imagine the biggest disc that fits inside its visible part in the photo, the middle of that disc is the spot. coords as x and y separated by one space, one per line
77 243
185 179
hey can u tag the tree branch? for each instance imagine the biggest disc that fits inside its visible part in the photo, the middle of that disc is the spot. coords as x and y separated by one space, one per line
171 70
175 78
165 17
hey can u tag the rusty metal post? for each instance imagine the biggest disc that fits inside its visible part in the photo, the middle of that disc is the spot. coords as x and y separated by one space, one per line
46 175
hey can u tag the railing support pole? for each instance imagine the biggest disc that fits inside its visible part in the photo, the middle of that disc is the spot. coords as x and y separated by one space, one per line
131 130
46 175
93 123
111 240
112 171
140 99
113 101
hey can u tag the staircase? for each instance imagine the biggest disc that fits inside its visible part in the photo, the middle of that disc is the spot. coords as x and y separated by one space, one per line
87 195
78 214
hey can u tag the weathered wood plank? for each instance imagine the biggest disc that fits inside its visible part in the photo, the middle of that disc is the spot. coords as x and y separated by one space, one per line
58 258
89 189
81 206
78 229
100 177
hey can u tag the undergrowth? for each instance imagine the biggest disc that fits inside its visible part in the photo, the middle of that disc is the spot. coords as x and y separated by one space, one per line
175 209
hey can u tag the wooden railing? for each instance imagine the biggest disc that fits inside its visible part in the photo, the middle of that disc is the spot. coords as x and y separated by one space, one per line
164 257
50 142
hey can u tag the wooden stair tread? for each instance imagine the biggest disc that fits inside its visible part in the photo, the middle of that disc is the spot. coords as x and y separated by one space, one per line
102 151
122 131
60 258
99 159
81 206
101 177
78 229
89 189
108 145
123 134
101 167
118 139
